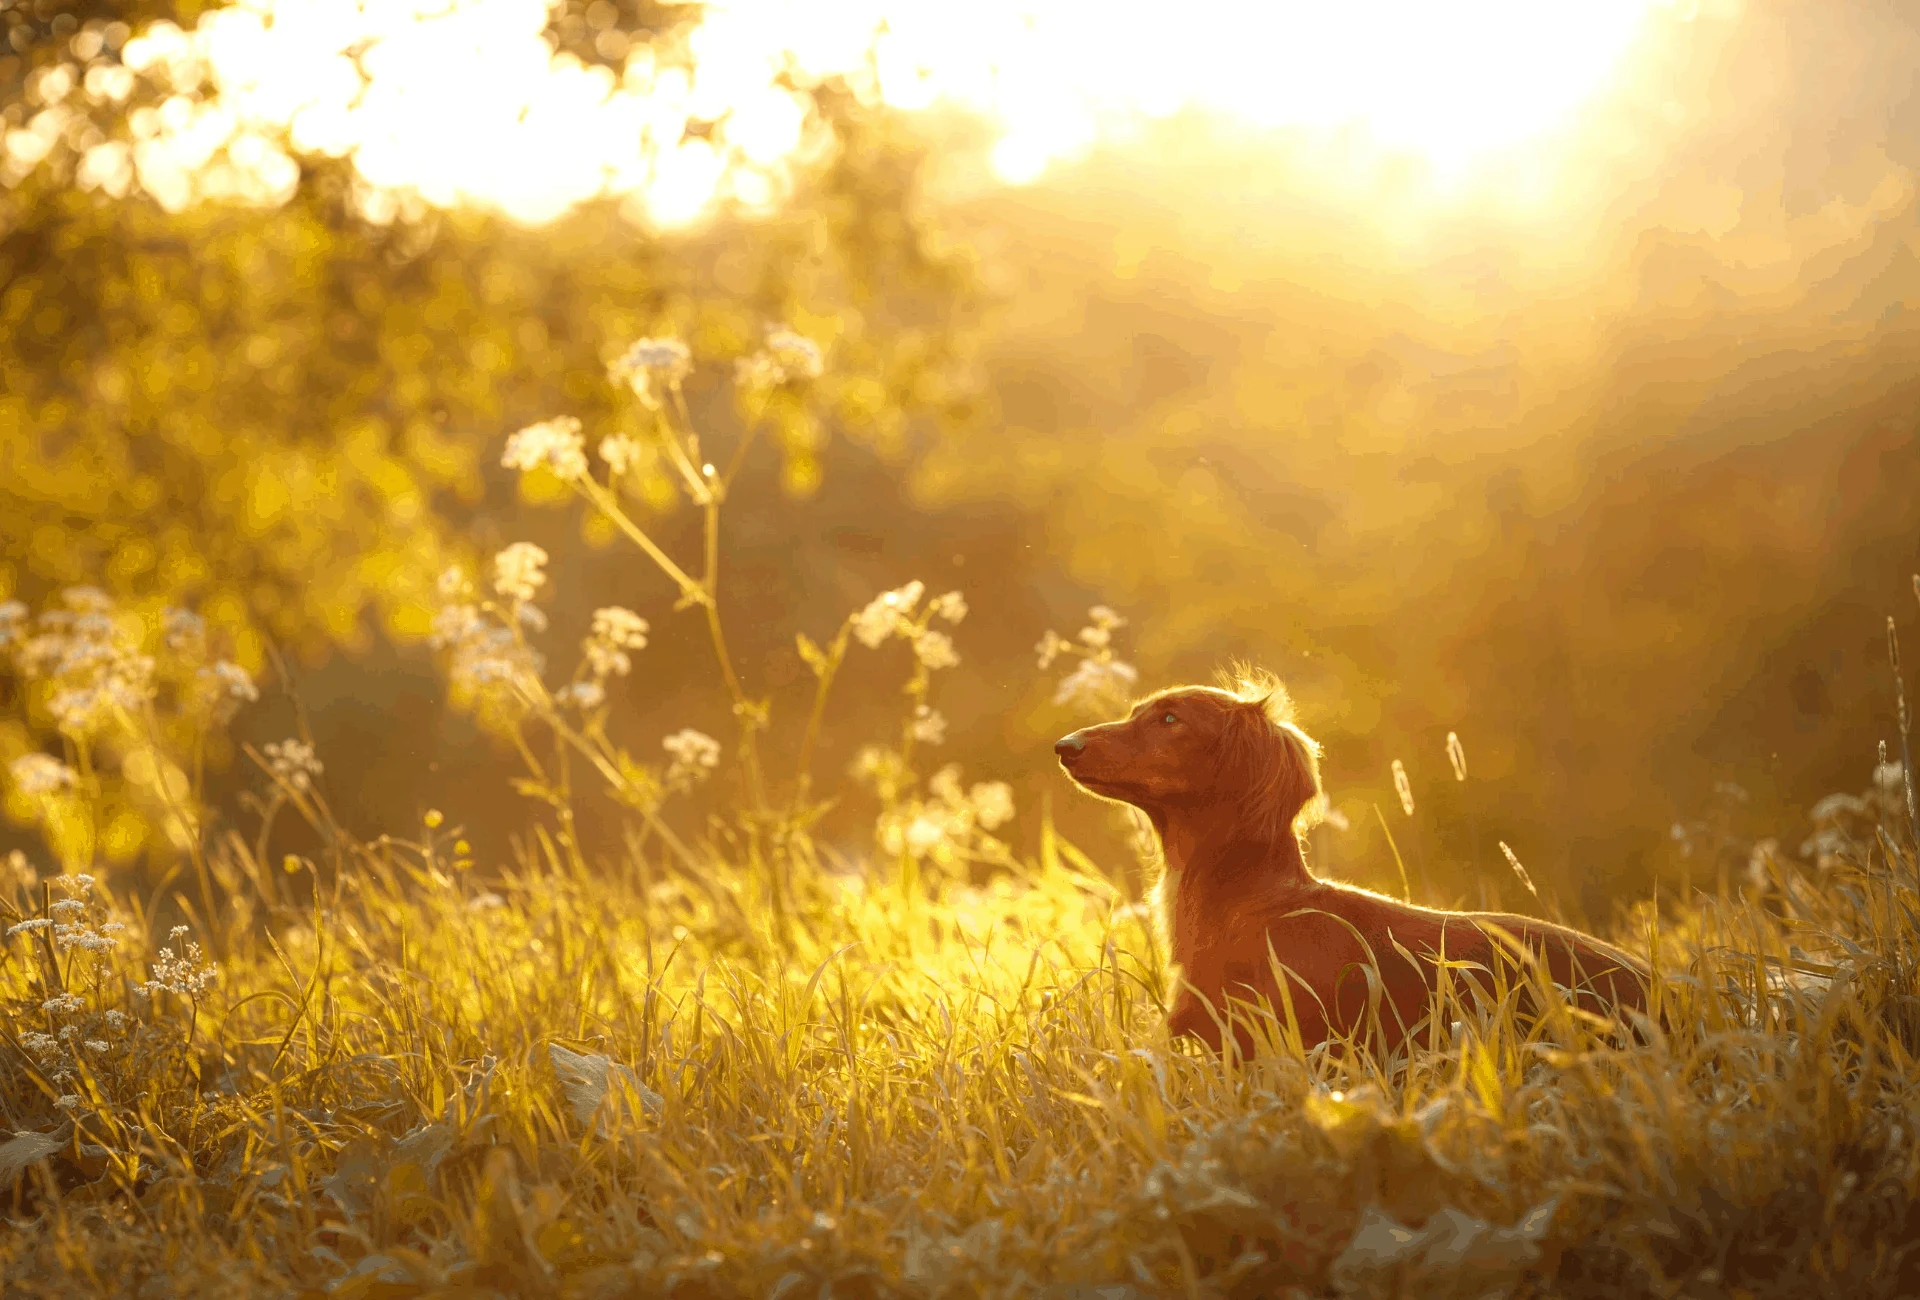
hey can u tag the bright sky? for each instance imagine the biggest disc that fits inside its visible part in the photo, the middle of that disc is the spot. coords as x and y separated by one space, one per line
464 101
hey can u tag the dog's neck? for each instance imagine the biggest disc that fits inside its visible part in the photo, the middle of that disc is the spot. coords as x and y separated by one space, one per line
1215 864
1198 839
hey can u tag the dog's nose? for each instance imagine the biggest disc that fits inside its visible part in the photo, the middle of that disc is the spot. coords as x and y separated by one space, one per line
1070 746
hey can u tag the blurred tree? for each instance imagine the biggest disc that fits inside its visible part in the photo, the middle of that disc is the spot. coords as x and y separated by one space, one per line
287 414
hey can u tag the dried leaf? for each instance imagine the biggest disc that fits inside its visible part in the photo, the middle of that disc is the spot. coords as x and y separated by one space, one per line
587 1078
22 1150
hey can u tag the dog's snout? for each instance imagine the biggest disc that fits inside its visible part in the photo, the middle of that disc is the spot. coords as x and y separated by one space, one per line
1069 747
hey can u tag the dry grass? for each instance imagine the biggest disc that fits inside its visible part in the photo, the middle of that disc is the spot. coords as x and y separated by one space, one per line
580 1083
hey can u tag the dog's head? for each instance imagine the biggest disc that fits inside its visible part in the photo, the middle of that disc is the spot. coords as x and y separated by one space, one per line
1234 748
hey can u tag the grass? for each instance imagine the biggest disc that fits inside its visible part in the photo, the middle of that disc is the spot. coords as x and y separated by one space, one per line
718 1067
578 1083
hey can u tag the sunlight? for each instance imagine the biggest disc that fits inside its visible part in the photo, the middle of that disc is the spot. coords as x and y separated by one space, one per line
465 100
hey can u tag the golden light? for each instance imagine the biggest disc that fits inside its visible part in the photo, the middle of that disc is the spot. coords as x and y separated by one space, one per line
464 101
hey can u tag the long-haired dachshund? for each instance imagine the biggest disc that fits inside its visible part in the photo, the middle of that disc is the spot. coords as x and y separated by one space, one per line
1228 780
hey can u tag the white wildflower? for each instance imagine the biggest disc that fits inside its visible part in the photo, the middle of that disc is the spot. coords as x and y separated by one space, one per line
786 357
621 452
1095 684
615 631
38 1043
992 803
293 762
64 907
649 364
621 627
453 584
925 833
494 658
516 571
531 617
797 354
227 685
929 726
886 614
35 775
935 649
117 1020
98 1045
554 444
454 624
28 926
189 975
63 1004
78 883
1049 649
1103 622
695 755
581 695
952 606
68 1102
81 936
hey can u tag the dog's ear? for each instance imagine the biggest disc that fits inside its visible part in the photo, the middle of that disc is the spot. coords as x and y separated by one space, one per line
1275 763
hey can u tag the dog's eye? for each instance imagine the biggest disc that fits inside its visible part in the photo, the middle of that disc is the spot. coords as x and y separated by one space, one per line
1169 718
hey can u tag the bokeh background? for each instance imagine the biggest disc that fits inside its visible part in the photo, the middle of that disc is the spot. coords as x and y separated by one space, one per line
1544 374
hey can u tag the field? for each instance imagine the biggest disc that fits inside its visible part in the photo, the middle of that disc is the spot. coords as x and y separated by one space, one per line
545 545
732 1065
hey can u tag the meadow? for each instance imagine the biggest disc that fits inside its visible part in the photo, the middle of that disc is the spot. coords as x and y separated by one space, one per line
543 545
729 1059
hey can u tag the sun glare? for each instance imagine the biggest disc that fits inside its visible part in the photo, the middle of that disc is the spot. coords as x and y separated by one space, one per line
465 101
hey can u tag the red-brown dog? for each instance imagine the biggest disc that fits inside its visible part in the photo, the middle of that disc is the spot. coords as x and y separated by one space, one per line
1225 777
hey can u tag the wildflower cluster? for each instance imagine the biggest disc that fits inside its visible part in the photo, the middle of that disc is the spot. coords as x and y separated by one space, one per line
1100 681
40 775
555 445
91 667
1845 824
491 660
186 974
133 724
615 631
78 930
786 358
650 365
209 687
293 764
951 825
695 755
896 614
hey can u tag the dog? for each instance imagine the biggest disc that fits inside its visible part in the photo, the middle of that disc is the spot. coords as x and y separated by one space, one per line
1229 782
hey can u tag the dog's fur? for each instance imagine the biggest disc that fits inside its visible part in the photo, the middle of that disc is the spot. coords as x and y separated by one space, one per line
1230 783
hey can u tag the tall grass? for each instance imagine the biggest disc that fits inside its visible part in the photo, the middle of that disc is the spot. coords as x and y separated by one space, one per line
726 1064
